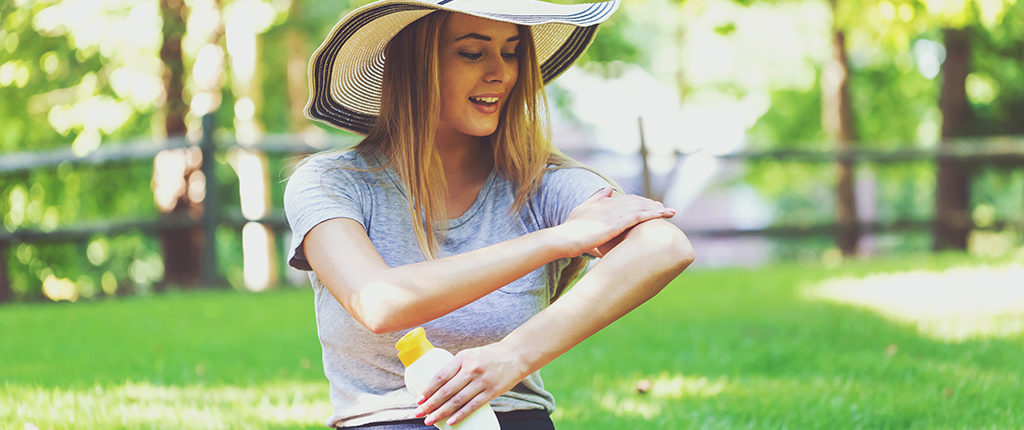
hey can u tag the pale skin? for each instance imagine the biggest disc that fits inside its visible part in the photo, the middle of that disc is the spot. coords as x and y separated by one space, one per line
640 251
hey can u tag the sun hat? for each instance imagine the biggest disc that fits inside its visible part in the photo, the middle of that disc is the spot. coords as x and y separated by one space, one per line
346 72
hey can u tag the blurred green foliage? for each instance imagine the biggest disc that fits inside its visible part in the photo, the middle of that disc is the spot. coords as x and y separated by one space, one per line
896 106
65 87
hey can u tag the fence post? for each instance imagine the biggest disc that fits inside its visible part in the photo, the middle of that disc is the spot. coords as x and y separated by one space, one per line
5 280
643 160
211 204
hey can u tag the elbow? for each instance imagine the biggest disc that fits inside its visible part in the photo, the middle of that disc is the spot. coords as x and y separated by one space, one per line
378 327
687 256
377 322
667 241
683 250
679 250
374 311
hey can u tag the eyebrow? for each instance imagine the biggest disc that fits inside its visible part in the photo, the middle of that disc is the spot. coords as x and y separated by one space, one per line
479 36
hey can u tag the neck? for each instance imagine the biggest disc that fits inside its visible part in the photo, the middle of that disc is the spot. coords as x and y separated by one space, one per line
466 159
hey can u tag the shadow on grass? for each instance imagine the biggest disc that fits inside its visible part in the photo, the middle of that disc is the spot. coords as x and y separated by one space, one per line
744 348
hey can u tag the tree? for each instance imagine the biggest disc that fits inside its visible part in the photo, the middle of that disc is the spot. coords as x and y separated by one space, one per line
952 184
955 21
837 121
175 171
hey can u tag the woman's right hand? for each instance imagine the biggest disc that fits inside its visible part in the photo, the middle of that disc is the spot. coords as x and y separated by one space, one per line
603 217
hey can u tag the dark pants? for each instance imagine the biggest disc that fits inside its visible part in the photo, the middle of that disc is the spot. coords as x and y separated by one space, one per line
516 420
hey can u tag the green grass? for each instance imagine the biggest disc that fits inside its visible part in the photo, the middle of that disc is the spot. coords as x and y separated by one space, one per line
725 349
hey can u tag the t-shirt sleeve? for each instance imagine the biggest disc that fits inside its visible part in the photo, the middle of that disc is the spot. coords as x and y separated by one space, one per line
319 190
566 188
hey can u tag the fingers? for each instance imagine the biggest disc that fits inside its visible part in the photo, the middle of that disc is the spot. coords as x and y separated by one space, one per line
440 380
453 396
635 209
466 410
458 397
600 194
459 406
606 215
447 390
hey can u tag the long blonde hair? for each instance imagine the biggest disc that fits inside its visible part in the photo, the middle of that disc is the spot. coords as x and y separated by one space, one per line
404 131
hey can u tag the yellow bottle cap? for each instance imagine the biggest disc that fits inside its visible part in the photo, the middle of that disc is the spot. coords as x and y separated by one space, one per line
412 346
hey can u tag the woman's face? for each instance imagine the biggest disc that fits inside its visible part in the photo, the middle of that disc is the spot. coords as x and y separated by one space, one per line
478 68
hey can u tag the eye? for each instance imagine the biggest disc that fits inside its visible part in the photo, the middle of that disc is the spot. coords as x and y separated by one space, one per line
470 55
510 55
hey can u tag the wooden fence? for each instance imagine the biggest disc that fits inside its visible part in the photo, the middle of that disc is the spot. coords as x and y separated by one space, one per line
999 151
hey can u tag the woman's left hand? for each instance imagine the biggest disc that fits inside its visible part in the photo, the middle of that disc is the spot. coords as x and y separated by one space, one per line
471 380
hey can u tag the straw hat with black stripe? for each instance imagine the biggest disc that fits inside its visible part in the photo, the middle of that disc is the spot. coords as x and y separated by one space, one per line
346 72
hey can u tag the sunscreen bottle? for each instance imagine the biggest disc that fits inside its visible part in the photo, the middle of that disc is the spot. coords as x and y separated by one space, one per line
422 361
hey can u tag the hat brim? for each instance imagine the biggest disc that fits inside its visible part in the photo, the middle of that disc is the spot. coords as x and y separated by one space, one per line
346 71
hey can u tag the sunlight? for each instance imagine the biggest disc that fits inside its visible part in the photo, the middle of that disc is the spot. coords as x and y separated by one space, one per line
951 305
929 56
58 289
131 66
168 178
657 393
253 193
132 404
677 386
622 405
257 247
990 12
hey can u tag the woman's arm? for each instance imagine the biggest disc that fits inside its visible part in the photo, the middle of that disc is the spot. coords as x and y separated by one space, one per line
386 299
648 258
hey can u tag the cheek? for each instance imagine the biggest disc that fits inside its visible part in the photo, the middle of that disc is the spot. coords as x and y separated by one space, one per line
513 76
449 96
451 88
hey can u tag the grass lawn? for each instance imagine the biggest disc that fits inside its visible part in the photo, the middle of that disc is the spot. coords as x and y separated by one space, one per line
917 342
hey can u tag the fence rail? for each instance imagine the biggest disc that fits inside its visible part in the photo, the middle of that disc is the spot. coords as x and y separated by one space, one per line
1007 149
1002 151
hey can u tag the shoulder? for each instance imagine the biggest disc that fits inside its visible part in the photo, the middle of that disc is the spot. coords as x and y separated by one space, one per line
332 167
563 188
328 160
332 173
571 176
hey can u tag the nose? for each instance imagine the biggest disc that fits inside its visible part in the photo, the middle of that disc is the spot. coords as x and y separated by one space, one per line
498 70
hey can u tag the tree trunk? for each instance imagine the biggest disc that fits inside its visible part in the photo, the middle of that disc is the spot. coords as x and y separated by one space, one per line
182 247
837 120
952 188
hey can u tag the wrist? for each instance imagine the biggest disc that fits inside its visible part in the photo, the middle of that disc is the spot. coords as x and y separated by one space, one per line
518 356
560 241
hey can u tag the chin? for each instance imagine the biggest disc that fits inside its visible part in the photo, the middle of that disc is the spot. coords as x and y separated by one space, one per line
482 131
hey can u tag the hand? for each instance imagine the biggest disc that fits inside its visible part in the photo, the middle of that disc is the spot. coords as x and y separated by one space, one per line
593 225
471 380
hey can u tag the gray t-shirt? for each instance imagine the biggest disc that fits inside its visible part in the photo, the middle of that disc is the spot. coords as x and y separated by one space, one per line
365 374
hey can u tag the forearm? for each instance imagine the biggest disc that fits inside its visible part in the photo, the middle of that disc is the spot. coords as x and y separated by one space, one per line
650 256
406 296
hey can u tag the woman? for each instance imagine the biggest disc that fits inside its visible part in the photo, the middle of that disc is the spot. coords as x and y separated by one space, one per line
451 101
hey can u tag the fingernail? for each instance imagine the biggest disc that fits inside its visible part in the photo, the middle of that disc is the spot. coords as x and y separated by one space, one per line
420 413
451 421
420 400
429 421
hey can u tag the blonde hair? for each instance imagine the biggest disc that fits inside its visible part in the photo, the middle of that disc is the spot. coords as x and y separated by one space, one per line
404 131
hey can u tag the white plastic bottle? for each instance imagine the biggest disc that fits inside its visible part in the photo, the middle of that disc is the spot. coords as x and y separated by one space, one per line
422 361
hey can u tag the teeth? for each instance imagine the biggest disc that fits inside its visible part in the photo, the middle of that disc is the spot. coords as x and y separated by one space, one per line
487 100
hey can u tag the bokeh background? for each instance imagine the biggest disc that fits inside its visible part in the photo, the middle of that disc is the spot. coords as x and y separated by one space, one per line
860 161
